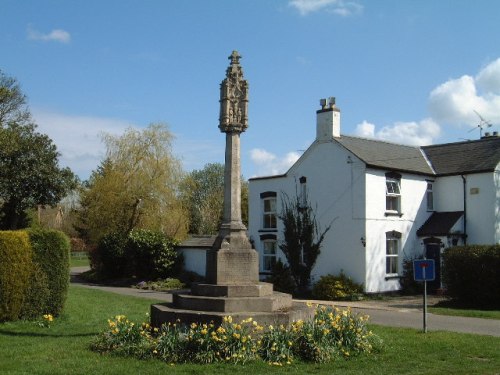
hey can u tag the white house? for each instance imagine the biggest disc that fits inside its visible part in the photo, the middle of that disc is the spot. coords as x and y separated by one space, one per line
388 202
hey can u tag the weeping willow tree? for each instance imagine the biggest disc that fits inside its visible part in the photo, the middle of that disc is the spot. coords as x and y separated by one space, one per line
302 238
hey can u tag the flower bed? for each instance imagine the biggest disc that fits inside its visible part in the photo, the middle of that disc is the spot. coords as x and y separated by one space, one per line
333 334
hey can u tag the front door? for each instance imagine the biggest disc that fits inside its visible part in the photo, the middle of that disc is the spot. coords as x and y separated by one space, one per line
433 251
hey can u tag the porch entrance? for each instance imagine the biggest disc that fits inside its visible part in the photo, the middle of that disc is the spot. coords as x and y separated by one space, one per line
433 251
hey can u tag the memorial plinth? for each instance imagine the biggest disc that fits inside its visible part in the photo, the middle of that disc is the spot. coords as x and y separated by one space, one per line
232 266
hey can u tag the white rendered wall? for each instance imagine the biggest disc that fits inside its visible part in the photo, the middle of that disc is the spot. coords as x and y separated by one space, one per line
194 259
482 192
414 213
335 185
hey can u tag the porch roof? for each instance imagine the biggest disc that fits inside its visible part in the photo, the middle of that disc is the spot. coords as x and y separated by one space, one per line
439 223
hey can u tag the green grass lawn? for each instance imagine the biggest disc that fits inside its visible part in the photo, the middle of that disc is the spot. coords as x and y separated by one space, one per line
78 262
26 348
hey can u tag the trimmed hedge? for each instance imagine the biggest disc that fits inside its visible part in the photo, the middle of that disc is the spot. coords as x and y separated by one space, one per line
15 269
34 273
472 275
51 250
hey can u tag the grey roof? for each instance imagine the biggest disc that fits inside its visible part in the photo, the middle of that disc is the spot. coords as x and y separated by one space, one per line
198 241
439 223
482 155
386 155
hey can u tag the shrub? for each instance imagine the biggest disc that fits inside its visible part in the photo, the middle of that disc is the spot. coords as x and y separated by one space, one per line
51 250
109 258
153 254
15 270
471 275
408 284
281 278
341 287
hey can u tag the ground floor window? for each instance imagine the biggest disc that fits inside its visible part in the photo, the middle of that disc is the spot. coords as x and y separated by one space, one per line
392 252
269 255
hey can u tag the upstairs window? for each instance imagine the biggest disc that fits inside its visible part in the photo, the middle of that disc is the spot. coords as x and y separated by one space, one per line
393 193
430 197
269 213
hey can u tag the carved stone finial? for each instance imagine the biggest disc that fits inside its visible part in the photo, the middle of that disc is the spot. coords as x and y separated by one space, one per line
235 57
233 98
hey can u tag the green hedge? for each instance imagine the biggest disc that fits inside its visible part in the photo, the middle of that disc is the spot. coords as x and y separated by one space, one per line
34 273
141 253
51 250
472 275
15 269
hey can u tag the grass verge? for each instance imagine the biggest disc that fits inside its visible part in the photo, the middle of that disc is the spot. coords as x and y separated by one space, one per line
469 313
63 348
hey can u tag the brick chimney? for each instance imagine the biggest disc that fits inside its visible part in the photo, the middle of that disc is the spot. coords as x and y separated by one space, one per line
327 120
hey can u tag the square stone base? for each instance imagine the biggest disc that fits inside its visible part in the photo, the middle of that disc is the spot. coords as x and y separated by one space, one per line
232 266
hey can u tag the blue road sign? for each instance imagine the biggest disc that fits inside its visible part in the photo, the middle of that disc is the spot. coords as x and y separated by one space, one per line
424 270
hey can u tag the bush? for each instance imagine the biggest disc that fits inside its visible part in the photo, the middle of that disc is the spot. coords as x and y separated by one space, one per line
339 287
51 250
110 253
471 275
16 268
144 254
281 278
408 284
152 253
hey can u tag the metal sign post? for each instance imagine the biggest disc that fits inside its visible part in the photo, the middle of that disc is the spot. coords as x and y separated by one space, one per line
424 270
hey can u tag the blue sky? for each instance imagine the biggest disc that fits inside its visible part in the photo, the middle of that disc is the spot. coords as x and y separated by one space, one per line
405 71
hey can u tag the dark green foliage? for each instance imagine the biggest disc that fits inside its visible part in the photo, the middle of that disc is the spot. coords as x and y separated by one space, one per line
109 258
341 287
471 275
51 250
37 294
15 269
281 278
152 253
408 284
302 238
142 253
29 170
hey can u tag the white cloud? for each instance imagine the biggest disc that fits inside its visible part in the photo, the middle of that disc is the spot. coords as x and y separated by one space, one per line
56 35
340 7
78 138
268 164
488 79
365 130
409 133
455 101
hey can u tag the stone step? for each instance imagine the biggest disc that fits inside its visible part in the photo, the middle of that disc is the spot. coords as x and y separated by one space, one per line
276 301
241 290
166 313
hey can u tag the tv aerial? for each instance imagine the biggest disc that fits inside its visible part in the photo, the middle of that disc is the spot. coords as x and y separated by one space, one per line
483 123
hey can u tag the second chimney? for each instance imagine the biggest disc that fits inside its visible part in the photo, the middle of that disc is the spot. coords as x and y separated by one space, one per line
327 120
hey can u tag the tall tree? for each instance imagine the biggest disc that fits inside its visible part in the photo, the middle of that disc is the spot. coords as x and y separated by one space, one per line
29 170
203 192
136 186
302 238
